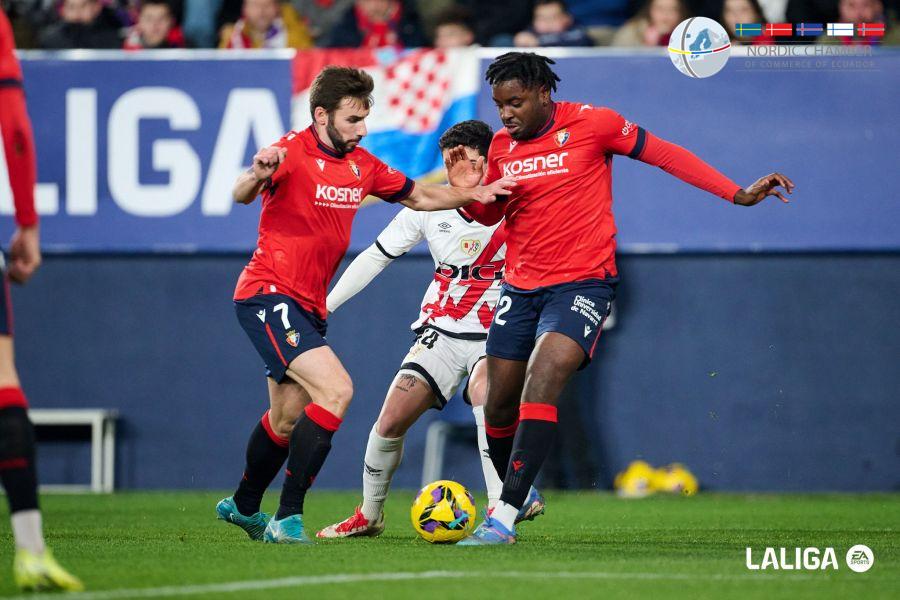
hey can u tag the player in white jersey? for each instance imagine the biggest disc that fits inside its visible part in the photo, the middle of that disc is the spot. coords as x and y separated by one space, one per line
451 331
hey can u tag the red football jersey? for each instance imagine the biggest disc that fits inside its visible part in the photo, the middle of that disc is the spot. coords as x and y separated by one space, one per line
559 216
307 213
9 64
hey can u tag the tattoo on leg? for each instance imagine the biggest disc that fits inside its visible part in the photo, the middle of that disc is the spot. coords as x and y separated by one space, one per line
406 383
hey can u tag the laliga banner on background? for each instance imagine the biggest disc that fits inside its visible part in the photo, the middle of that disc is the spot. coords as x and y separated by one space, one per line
140 154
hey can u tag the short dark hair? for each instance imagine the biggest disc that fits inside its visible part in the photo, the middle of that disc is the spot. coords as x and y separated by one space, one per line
530 69
561 3
157 3
334 84
454 15
472 134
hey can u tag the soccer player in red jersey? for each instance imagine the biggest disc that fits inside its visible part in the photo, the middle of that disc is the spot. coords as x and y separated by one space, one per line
560 261
312 183
34 567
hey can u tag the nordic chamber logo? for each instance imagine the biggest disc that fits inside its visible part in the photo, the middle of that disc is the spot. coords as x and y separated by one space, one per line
699 47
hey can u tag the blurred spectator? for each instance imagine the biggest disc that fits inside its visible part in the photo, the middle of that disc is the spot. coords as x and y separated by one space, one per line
653 25
593 13
812 11
772 11
266 24
82 24
859 11
321 15
496 22
377 24
552 25
453 29
155 28
744 11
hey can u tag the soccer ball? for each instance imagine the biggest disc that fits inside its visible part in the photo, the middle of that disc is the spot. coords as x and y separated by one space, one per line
443 512
676 479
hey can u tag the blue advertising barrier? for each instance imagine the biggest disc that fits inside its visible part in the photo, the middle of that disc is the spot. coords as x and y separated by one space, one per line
137 154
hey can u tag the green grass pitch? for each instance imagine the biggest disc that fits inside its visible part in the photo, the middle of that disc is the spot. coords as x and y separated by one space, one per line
588 545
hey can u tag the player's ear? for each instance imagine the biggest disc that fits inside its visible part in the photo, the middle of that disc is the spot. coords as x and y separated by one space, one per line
320 115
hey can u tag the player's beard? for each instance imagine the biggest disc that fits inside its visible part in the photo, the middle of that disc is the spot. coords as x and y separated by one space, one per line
341 146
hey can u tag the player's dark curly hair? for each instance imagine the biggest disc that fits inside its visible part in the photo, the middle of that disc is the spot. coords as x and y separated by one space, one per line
334 84
532 70
472 134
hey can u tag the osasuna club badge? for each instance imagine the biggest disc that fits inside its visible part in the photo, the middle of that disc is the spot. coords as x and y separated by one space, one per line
562 136
470 247
354 168
292 338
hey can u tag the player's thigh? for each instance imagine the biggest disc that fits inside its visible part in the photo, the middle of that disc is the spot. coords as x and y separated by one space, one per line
505 381
476 388
439 360
9 377
408 398
286 403
324 378
554 360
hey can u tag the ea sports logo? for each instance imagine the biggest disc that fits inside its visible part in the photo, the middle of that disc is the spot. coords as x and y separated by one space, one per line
699 47
860 558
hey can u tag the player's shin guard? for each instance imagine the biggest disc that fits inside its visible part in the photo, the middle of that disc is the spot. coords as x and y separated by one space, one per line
492 481
266 453
535 436
383 456
17 469
310 444
500 445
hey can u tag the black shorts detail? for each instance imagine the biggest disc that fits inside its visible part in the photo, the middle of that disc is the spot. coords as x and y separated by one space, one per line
436 390
468 336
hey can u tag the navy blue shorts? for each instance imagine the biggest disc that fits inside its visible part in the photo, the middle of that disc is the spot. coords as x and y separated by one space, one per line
280 330
576 310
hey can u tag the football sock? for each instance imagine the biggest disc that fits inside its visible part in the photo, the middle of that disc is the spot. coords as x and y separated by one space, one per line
500 445
383 456
492 481
309 446
26 526
535 436
266 452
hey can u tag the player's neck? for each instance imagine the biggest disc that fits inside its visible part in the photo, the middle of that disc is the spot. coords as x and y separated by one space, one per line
545 123
324 141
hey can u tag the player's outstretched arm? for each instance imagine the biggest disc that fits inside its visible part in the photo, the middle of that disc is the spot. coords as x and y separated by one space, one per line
426 196
251 182
357 276
691 169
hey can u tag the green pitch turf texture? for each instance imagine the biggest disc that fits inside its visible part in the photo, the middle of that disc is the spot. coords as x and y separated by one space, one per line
586 546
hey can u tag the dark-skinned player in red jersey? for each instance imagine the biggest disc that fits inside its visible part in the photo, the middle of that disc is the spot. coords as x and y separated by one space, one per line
561 271
312 183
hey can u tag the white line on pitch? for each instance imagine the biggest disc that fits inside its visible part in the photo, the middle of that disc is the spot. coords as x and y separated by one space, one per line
287 582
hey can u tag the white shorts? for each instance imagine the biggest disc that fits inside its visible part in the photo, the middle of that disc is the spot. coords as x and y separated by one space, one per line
442 362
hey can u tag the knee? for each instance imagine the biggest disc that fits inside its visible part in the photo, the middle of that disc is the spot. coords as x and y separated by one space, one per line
501 415
336 399
284 425
390 425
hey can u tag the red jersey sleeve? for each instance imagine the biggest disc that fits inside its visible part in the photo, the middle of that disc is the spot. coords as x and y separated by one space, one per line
389 184
616 135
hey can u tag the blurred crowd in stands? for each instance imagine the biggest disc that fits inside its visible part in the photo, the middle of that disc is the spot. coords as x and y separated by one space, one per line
146 24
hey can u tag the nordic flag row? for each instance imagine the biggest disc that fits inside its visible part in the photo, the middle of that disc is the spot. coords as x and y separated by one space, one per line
810 29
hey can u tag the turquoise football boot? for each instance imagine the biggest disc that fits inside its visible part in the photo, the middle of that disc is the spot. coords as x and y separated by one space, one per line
254 525
490 533
288 530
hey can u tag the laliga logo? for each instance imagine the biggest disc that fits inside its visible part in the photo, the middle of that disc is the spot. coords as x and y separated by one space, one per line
699 47
860 559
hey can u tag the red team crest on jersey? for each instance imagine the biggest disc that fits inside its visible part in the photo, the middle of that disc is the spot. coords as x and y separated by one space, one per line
292 338
562 136
354 168
470 247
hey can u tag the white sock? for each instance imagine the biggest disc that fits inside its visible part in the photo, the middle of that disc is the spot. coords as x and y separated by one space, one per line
383 456
506 514
26 526
492 482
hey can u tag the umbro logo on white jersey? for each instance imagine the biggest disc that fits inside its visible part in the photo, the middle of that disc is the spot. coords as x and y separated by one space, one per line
262 315
445 225
321 164
587 330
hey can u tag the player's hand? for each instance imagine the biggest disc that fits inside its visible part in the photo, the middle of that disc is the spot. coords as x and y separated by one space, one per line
24 254
488 193
267 160
763 187
461 171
